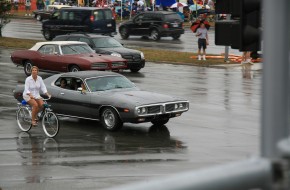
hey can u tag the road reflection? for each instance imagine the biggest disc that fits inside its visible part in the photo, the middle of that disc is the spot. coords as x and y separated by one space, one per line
87 144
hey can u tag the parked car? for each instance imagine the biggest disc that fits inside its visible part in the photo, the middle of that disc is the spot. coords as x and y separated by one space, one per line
109 46
155 24
109 97
64 56
79 19
46 13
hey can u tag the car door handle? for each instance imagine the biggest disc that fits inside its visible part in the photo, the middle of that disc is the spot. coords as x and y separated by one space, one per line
61 93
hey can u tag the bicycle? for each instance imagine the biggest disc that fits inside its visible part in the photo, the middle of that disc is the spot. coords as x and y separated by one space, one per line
49 120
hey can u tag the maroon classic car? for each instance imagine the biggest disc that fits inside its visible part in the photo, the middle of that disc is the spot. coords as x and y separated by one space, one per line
65 56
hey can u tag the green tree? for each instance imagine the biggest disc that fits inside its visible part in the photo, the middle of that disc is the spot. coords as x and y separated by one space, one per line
5 7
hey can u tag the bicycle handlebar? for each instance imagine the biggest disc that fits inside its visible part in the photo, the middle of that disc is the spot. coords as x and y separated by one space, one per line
45 99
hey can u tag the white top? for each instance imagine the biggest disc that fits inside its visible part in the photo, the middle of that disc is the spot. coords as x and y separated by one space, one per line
39 44
33 87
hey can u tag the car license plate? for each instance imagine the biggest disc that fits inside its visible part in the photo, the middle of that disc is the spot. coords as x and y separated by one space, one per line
175 25
109 25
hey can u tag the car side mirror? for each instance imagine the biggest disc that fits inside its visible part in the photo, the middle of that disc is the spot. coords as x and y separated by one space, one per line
55 53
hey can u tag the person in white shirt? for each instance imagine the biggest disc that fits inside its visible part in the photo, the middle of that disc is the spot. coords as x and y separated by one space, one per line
33 84
202 35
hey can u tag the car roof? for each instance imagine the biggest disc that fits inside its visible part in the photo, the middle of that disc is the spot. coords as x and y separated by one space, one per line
86 8
90 74
59 6
90 35
161 12
39 44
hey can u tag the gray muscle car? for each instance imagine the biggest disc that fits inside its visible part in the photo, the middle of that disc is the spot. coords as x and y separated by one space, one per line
108 97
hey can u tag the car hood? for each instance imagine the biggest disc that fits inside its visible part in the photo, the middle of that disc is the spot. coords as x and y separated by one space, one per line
100 57
138 97
120 50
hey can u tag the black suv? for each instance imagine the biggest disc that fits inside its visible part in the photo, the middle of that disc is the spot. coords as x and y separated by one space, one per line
154 24
79 19
109 46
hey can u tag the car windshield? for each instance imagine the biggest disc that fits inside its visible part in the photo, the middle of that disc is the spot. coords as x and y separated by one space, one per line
76 49
106 43
108 83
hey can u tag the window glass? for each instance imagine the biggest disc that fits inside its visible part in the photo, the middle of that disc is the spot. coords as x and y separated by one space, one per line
98 15
63 82
48 49
76 49
108 14
108 83
106 42
172 17
73 38
74 83
82 39
71 16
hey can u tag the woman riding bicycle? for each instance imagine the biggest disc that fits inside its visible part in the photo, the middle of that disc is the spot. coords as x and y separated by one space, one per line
31 94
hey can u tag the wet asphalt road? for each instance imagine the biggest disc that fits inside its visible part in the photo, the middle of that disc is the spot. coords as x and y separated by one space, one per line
31 29
222 125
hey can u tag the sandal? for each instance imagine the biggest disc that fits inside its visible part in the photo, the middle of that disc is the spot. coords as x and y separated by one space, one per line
34 123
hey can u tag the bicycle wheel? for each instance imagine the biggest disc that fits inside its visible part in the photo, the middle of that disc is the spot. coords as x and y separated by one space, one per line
23 118
50 124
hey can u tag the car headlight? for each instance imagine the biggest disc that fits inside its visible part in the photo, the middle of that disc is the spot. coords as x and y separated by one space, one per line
142 55
180 106
142 110
175 106
116 54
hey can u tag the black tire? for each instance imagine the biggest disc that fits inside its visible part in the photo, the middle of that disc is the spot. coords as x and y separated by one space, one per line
160 122
155 35
47 35
74 68
124 33
38 17
176 36
27 67
23 118
50 124
110 119
135 70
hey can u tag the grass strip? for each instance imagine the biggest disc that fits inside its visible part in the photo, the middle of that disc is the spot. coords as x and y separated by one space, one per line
151 55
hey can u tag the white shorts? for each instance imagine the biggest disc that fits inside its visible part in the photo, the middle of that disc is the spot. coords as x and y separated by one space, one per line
27 98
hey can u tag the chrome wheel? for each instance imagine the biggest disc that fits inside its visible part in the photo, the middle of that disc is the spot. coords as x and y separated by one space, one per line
47 35
110 119
27 68
38 17
74 69
124 33
155 35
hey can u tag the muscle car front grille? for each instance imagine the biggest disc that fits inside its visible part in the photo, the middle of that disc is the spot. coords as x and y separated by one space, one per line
118 64
132 58
154 109
99 65
169 107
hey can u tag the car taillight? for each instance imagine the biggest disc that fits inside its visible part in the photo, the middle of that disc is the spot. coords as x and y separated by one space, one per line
92 18
165 26
182 25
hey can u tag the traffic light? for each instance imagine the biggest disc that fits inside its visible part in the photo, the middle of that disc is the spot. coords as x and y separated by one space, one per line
242 31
